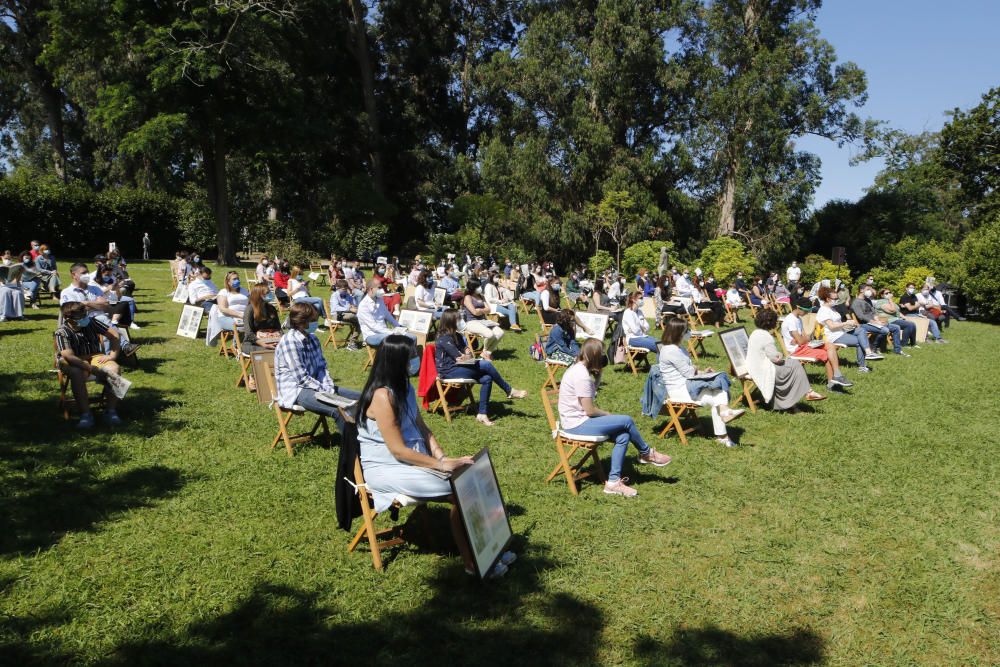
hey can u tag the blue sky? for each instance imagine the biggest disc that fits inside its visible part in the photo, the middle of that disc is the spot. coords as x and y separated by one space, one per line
922 58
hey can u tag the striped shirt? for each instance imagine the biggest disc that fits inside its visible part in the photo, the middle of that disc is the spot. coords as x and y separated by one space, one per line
84 342
298 365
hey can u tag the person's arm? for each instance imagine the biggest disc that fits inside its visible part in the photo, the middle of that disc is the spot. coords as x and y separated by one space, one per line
382 412
770 351
587 403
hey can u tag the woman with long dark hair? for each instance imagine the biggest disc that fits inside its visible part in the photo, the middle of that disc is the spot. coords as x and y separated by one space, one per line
454 360
474 311
399 454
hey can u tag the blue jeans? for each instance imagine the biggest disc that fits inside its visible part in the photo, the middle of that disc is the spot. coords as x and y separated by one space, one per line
880 333
307 399
908 331
619 427
534 296
646 342
485 373
376 339
857 340
316 303
32 286
510 312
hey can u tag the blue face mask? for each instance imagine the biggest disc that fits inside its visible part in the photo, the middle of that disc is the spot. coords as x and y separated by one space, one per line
236 284
83 321
312 327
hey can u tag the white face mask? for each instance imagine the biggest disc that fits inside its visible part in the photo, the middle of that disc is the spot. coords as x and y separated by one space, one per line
911 290
84 278
6 261
380 292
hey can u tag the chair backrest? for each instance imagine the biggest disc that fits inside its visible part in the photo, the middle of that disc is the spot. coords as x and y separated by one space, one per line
547 404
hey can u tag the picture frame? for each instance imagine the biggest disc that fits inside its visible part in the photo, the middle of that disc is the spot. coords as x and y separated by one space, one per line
190 321
261 361
439 295
416 321
181 293
735 342
482 510
597 323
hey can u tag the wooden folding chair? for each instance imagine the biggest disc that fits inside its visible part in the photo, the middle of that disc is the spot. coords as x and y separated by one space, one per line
368 533
633 354
371 356
331 336
749 303
452 395
544 327
551 367
567 445
284 416
527 306
229 343
730 317
677 413
747 392
476 343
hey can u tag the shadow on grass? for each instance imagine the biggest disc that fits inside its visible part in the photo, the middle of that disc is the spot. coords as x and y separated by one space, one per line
717 647
463 622
54 479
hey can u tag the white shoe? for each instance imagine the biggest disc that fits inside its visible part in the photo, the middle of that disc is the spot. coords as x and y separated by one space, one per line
134 326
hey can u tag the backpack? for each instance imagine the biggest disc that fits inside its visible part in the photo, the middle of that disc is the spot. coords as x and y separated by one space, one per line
536 351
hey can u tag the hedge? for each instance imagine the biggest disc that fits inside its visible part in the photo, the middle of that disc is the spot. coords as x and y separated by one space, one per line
79 222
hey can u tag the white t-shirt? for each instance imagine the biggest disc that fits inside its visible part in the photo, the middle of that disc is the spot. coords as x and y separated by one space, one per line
788 325
634 324
824 315
576 383
545 297
82 294
297 289
201 289
793 273
424 298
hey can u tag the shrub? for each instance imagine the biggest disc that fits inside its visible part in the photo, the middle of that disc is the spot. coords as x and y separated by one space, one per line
944 261
725 257
600 262
644 254
817 267
195 220
915 274
981 251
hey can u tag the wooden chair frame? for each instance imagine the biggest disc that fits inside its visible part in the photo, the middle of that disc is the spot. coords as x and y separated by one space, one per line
331 337
368 533
677 413
284 417
551 382
634 353
371 356
566 448
746 395
544 328
445 389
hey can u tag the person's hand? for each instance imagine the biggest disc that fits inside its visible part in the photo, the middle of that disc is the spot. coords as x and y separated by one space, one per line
709 370
451 465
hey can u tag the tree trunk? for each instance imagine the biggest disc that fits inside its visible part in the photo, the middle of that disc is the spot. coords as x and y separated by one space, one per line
727 201
359 31
52 99
218 197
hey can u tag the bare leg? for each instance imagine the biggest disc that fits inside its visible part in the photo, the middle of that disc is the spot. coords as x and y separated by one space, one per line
78 383
832 361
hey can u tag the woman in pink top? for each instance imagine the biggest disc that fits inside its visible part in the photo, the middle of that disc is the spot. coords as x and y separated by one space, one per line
579 416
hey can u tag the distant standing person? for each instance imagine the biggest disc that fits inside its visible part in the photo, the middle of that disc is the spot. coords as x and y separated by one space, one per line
146 242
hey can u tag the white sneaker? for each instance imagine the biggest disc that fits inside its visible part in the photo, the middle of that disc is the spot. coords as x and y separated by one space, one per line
874 356
134 326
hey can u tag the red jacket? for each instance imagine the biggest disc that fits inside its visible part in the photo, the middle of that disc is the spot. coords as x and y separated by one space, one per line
426 387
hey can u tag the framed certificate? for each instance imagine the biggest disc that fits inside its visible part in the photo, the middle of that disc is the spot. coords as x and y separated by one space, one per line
735 342
181 293
484 515
190 321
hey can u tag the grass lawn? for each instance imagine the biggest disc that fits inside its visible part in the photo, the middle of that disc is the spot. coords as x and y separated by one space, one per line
865 531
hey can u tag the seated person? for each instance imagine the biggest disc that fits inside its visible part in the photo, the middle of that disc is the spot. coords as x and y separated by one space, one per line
797 344
733 297
398 451
423 295
452 349
298 290
261 323
80 355
45 265
453 291
574 291
300 368
600 303
499 300
561 344
548 300
931 308
202 291
840 332
97 303
377 322
232 302
909 304
677 374
888 311
683 287
264 272
343 308
782 382
579 415
29 278
864 309
634 324
282 273
474 311
706 299
757 295
939 297
665 302
114 288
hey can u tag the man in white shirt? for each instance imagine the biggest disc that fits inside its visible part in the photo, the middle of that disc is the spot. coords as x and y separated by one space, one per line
118 314
202 291
683 287
793 274
377 322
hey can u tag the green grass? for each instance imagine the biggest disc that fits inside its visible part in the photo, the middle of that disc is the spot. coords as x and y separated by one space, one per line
866 531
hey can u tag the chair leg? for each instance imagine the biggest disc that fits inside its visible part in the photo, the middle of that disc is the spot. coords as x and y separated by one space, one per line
567 468
283 420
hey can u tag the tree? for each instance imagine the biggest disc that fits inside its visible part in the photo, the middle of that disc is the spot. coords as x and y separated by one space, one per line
970 149
616 216
644 255
760 76
724 257
981 251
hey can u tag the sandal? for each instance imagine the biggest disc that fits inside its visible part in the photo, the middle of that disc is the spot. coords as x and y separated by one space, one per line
813 396
484 420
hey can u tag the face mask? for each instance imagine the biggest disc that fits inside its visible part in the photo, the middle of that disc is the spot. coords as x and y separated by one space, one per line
740 276
83 322
312 327
556 288
107 280
197 259
381 272
910 290
926 292
479 290
687 335
84 278
380 292
265 262
6 261
46 252
236 284
496 281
